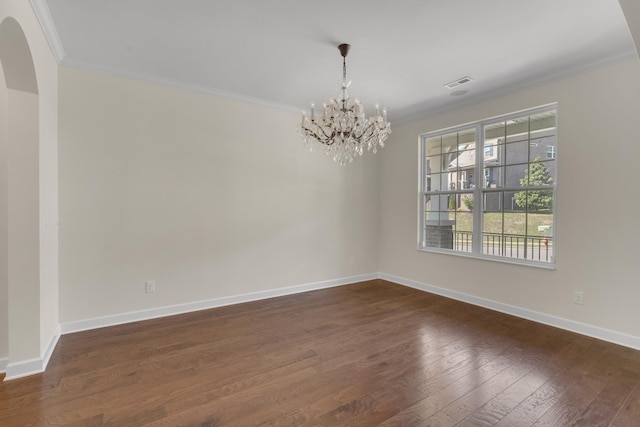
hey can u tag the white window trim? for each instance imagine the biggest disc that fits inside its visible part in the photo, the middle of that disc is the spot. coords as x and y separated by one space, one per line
479 126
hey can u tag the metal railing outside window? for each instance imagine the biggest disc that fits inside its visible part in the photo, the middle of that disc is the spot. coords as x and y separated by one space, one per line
535 248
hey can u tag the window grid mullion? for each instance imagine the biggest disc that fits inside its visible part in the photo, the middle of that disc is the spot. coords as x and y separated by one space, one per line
423 196
477 191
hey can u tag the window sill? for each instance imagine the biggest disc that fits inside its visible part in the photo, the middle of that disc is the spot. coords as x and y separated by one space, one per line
504 260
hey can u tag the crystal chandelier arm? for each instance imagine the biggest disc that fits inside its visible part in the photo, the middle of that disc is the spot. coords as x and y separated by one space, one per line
374 133
326 139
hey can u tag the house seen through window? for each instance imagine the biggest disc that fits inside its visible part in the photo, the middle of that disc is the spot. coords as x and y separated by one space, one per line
499 204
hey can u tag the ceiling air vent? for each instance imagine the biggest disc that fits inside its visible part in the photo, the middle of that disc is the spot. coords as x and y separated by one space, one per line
458 82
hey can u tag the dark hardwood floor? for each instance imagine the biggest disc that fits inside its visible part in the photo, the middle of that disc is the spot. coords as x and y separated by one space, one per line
368 354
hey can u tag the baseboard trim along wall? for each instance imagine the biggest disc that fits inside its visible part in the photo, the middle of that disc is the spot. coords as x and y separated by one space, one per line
28 367
558 322
37 365
118 319
24 368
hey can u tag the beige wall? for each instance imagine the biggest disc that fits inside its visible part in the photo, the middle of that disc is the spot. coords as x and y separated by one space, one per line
597 226
23 218
33 296
207 196
4 221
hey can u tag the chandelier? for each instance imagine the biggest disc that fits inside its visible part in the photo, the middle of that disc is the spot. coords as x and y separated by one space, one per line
342 129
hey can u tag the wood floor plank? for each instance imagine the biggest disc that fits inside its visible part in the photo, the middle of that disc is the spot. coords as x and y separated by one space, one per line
629 413
571 362
367 354
484 392
440 419
583 390
609 401
505 401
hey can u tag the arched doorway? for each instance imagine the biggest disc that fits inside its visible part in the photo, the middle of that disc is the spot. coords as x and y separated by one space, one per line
19 204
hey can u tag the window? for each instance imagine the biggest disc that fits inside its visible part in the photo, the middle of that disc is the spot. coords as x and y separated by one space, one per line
508 214
488 150
551 151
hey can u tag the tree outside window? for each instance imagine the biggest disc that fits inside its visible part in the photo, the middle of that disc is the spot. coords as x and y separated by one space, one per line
535 200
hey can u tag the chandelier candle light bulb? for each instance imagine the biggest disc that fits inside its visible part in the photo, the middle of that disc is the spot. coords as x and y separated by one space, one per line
343 131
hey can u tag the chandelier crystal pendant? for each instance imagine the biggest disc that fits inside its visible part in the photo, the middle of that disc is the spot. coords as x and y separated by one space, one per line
342 130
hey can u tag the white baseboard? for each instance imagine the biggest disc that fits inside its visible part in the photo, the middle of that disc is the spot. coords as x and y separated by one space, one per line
49 350
35 366
547 319
135 316
24 368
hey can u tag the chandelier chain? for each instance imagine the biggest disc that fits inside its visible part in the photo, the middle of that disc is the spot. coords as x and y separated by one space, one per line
344 69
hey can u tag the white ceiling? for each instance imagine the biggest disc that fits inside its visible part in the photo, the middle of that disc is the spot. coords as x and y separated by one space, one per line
284 52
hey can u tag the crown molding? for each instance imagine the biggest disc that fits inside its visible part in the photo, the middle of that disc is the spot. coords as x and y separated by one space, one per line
43 15
172 83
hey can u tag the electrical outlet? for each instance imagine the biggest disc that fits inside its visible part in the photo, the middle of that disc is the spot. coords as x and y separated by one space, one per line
578 297
150 286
